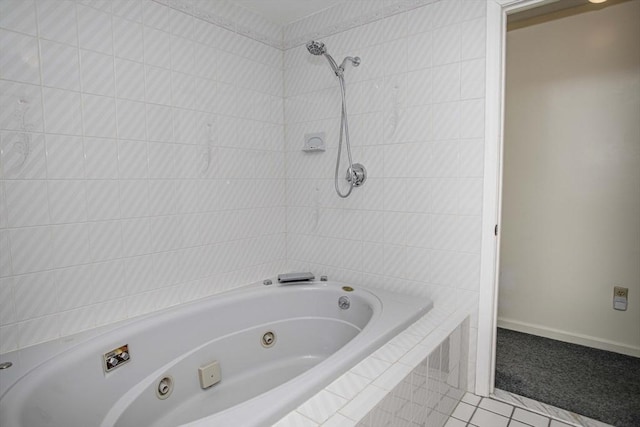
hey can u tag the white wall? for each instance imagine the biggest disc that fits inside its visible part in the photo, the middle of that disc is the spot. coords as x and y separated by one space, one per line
571 211
142 162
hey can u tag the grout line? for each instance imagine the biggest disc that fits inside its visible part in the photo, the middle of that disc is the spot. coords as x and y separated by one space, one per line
510 417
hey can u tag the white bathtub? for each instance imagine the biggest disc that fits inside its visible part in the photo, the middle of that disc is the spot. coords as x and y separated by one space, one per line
316 342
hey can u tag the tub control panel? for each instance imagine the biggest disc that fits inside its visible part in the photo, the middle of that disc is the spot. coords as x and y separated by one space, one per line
116 358
209 374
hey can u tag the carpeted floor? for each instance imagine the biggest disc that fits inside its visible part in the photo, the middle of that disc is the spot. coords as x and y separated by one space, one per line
599 384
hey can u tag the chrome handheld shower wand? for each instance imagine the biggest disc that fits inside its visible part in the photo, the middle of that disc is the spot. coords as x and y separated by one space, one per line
356 173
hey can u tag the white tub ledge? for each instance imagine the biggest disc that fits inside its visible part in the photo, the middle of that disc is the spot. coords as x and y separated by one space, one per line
411 377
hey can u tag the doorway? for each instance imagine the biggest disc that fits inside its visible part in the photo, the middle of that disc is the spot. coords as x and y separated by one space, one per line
570 207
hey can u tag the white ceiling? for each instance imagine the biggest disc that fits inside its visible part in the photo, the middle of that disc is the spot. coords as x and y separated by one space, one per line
283 12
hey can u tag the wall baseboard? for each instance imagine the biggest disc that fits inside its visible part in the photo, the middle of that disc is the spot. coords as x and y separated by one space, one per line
565 336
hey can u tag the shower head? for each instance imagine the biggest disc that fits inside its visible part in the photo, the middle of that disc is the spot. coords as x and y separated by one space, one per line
316 48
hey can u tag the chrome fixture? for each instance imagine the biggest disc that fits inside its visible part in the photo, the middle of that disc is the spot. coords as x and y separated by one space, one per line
267 282
295 277
116 358
356 173
5 365
344 303
316 48
323 278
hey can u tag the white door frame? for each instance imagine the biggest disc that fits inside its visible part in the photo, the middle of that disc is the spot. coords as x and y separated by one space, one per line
497 11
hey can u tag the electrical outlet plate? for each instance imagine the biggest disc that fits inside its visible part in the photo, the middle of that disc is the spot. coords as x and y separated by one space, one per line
621 292
620 298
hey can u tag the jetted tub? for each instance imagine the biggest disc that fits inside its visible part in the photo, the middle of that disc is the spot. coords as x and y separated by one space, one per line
315 341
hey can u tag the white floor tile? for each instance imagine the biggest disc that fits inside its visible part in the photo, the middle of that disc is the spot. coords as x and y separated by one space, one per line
452 422
514 423
530 418
484 418
497 407
567 418
555 423
463 411
471 399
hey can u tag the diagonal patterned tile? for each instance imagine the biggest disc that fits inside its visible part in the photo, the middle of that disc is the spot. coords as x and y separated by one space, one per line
105 240
60 66
18 15
67 201
97 73
62 111
128 42
94 30
57 21
101 158
35 295
31 249
70 244
99 115
131 120
19 59
22 107
27 203
65 157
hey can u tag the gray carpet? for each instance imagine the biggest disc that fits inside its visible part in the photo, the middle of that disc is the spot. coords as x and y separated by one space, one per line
599 384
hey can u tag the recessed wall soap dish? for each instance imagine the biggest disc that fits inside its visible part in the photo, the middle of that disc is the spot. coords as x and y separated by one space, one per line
314 142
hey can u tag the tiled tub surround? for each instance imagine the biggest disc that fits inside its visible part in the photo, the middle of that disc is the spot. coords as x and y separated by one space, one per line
415 379
142 163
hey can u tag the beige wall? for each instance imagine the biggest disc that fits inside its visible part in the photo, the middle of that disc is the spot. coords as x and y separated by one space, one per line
571 197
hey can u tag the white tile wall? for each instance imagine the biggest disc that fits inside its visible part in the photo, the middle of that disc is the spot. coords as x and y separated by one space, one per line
416 108
145 162
123 189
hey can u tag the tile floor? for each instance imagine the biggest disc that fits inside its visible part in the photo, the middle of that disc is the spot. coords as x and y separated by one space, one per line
476 411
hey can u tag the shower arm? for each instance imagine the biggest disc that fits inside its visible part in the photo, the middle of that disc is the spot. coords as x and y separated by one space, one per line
339 69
